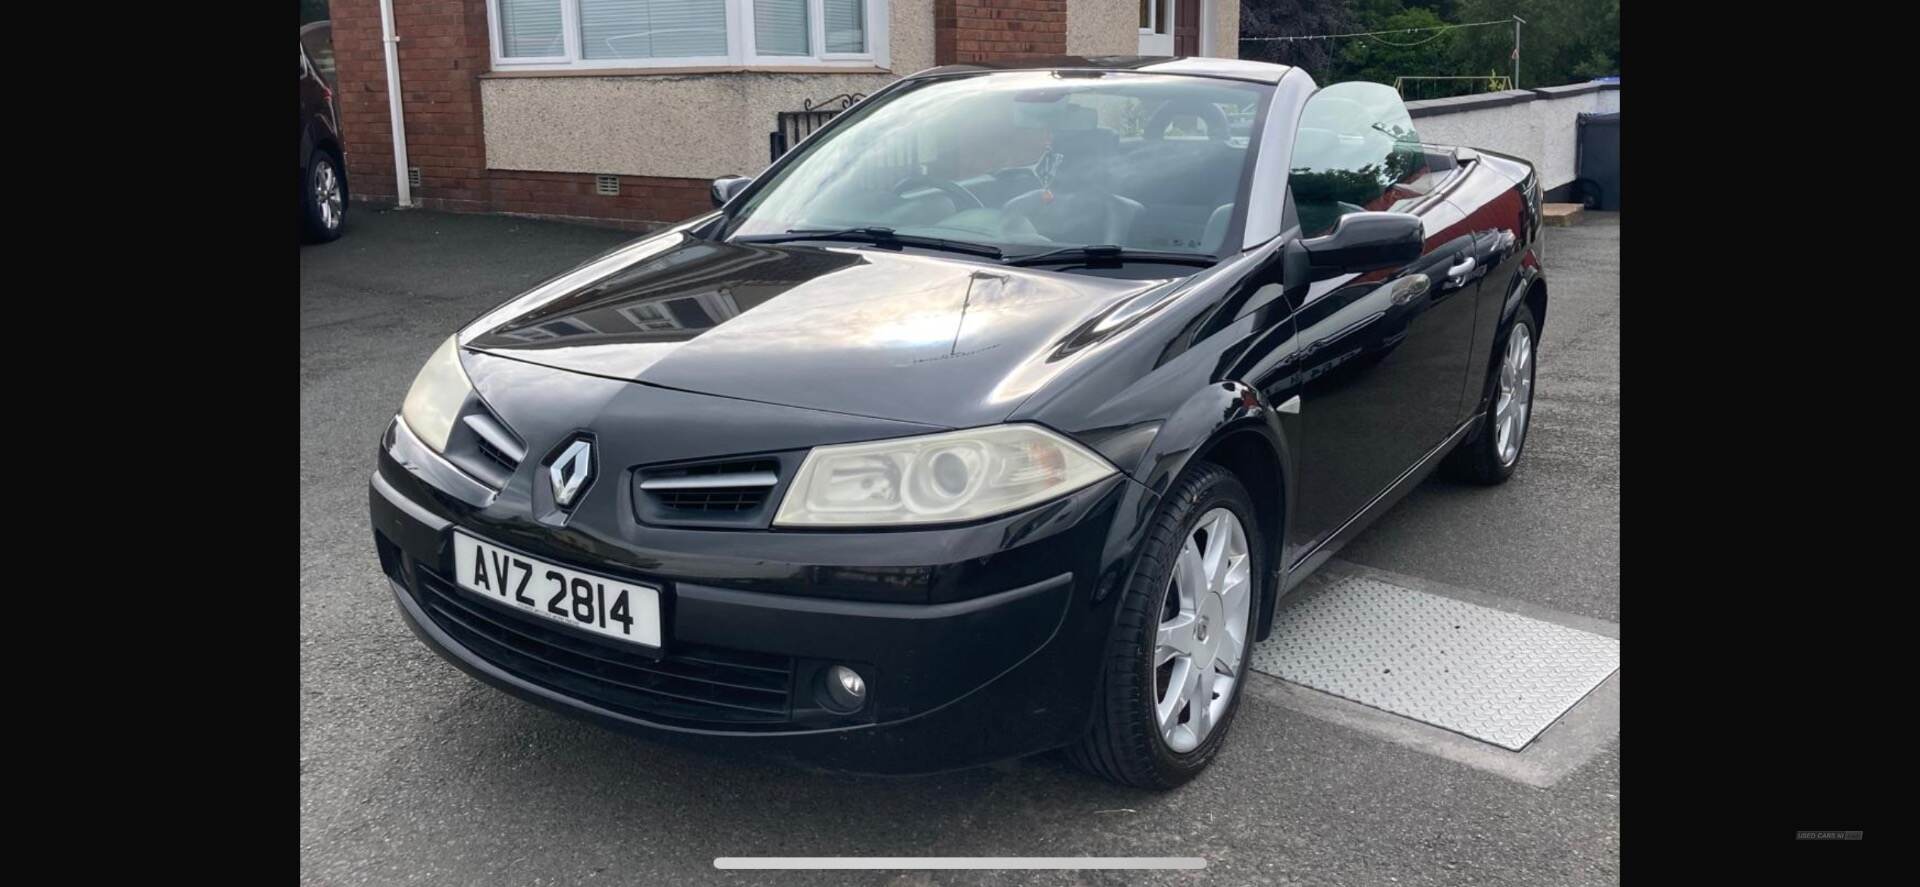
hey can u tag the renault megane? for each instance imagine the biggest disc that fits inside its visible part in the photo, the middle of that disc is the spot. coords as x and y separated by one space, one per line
995 417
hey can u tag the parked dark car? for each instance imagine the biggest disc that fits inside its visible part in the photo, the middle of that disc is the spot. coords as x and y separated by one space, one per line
323 168
993 418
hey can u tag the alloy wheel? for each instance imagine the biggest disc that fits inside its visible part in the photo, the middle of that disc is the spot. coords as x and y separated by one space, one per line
1202 640
326 195
1516 395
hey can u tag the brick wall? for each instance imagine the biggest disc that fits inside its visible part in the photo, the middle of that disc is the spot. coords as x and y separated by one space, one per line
443 47
989 30
362 96
642 199
443 52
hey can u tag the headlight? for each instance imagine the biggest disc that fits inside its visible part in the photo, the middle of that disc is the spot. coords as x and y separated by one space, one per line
436 396
939 478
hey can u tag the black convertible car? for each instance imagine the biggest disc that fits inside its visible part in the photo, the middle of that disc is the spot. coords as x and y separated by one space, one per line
993 418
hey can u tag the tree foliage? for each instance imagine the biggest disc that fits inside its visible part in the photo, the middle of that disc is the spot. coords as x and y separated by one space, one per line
1383 57
1563 41
1294 18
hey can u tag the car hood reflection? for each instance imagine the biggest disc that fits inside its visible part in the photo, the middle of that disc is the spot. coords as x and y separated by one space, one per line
855 330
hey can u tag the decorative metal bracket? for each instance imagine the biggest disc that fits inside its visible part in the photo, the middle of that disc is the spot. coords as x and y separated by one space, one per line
845 100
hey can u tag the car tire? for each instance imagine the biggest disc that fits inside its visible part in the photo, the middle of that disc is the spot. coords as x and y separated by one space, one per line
1125 741
323 198
1486 458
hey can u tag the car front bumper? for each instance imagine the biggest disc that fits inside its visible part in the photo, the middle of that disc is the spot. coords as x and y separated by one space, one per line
992 651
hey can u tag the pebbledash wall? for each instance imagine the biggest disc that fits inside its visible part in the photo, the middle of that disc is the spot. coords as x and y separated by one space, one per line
534 142
1541 125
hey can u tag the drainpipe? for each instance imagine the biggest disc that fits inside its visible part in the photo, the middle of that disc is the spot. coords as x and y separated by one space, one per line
392 47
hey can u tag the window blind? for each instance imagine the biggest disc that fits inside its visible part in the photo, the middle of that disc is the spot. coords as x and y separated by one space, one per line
530 28
652 29
780 27
846 25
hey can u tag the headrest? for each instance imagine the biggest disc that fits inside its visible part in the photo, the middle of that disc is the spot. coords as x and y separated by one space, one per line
1216 231
1083 143
1068 115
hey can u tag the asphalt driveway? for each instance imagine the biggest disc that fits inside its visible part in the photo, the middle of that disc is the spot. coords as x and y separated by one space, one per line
413 773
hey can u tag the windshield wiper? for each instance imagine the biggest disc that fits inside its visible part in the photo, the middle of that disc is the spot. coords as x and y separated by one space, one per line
878 235
1107 253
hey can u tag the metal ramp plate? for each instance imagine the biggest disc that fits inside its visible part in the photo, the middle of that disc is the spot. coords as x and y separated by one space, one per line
1495 676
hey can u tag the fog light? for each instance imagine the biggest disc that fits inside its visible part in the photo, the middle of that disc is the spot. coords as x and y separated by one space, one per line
846 690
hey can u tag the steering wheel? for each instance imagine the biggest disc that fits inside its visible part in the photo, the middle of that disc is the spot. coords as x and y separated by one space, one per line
1117 214
962 198
1208 112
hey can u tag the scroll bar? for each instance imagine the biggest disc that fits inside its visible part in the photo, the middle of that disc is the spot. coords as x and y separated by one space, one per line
961 862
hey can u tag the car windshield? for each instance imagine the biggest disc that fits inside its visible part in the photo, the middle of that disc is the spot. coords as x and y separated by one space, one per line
1027 162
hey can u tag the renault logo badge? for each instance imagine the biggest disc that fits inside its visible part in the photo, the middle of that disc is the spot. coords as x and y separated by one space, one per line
571 472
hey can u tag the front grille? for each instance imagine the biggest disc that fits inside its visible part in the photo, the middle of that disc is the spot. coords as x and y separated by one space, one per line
713 499
693 685
483 447
727 492
495 455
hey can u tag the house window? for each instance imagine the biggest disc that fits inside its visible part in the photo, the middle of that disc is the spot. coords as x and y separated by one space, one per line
562 34
1153 16
652 29
530 29
846 25
780 27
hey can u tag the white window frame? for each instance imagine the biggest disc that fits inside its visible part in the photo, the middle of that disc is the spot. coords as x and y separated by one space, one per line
1153 19
741 51
1157 37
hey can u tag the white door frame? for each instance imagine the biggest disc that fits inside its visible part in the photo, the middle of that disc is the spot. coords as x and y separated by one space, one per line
1152 43
1206 25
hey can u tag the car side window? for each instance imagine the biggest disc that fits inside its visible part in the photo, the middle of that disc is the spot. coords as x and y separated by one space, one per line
318 43
1356 150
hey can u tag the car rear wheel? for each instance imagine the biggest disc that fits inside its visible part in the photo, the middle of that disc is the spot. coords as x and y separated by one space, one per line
1495 450
1180 650
323 200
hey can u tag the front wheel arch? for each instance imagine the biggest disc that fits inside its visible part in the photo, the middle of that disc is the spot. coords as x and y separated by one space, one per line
1253 459
1230 424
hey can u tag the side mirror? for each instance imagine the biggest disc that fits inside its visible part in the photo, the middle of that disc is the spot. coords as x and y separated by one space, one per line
725 187
1359 242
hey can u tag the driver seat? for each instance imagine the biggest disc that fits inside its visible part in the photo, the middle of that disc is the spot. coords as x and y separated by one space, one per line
1083 208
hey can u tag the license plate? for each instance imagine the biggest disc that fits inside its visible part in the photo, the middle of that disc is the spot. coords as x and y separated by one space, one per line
612 608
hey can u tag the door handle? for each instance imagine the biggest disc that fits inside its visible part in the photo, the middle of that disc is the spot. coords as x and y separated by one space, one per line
1457 275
